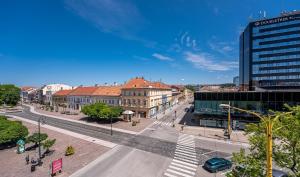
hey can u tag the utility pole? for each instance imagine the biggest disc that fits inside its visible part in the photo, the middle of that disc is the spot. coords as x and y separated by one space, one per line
268 122
229 122
39 129
111 133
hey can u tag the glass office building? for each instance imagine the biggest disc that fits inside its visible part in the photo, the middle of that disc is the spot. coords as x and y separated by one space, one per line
270 53
207 106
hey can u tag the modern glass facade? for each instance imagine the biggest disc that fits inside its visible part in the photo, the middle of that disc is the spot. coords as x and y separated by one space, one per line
207 105
270 53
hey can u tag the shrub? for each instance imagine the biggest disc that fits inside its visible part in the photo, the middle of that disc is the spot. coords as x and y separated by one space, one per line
48 144
134 123
70 151
11 131
34 138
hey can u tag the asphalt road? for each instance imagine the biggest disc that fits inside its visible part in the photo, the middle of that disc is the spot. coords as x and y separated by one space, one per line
146 154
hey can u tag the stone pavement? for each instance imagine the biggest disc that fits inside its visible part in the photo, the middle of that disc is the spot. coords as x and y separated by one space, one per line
213 133
14 165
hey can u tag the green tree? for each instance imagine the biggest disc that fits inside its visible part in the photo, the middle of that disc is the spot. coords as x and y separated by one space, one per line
35 138
101 111
9 94
47 144
286 146
11 131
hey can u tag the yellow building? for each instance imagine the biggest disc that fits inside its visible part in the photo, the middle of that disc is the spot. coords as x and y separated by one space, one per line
145 98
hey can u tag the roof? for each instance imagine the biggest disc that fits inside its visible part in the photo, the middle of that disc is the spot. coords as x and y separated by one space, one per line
83 91
108 91
142 83
26 88
62 93
97 91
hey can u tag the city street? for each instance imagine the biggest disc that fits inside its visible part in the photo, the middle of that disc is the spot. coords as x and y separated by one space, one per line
156 151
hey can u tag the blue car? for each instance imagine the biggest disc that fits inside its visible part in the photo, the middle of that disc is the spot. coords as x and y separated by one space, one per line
217 164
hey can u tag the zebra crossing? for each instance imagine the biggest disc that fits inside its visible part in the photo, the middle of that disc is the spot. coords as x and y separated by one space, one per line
185 161
163 123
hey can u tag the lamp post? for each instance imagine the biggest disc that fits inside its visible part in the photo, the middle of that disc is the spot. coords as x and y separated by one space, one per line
268 125
111 132
40 120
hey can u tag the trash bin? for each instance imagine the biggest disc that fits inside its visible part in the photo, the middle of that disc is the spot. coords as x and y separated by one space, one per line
32 168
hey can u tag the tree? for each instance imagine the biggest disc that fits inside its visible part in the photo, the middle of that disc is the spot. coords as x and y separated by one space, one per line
48 144
11 131
286 145
101 111
190 87
35 138
9 94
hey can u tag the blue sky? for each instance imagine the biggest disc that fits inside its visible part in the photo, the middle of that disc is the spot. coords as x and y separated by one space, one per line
97 41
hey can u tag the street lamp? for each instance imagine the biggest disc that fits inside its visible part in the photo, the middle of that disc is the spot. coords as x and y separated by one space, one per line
229 119
269 125
39 136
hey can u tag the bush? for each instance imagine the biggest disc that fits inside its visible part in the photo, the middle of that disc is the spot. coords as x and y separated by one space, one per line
134 123
48 144
70 151
101 111
34 138
11 131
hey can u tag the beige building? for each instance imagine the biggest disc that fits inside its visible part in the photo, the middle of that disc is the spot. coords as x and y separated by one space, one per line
145 98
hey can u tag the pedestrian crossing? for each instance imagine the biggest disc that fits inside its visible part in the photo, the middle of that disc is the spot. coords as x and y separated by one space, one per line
163 123
185 161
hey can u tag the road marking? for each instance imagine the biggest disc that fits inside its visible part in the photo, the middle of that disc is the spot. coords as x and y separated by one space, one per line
184 154
179 173
182 157
180 165
169 175
182 170
185 163
184 151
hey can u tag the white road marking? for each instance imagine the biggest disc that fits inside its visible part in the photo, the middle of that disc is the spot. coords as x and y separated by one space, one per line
182 170
184 166
179 173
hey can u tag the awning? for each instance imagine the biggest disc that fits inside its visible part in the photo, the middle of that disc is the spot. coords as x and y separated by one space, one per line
128 112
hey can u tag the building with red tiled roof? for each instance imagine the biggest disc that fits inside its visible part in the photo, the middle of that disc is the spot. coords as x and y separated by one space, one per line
87 95
28 94
145 98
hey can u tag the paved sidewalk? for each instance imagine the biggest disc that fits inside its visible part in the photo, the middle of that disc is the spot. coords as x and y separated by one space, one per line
14 165
32 109
213 133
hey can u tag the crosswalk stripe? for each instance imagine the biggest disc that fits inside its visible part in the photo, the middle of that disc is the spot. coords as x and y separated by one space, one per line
182 170
180 146
184 163
186 143
186 157
186 152
186 160
184 166
186 140
169 175
179 173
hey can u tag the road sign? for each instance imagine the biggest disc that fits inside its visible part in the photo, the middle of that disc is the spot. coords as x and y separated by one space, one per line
56 166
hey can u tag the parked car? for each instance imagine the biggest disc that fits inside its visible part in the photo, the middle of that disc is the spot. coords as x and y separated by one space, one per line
276 173
186 109
217 164
279 173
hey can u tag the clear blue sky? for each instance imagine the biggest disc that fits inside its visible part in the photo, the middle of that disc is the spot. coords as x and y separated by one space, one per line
97 41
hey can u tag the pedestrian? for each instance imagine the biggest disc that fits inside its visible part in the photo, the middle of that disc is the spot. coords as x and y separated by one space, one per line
27 159
156 117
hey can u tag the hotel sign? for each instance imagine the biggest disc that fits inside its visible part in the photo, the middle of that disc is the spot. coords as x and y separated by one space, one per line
274 20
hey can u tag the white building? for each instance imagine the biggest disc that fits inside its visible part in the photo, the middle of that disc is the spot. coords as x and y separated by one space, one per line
49 90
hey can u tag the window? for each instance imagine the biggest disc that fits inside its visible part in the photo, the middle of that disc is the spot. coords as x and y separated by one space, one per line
145 93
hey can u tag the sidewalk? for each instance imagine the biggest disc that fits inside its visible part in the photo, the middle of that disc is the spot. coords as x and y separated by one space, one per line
213 133
32 109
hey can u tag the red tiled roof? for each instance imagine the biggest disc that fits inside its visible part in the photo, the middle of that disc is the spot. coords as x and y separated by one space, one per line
25 88
108 91
62 92
142 83
97 91
83 91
